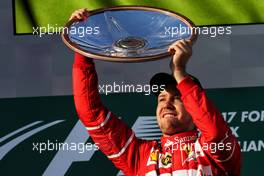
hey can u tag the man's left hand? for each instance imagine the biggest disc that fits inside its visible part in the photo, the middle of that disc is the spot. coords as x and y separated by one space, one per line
182 51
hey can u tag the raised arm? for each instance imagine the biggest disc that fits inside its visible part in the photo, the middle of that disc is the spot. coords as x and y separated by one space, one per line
114 138
216 137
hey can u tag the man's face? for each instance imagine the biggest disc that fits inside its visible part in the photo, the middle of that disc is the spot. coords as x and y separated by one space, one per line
171 114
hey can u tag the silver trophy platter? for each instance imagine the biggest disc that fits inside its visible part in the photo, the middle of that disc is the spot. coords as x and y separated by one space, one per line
127 33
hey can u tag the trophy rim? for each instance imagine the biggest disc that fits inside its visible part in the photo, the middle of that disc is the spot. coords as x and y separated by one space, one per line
76 48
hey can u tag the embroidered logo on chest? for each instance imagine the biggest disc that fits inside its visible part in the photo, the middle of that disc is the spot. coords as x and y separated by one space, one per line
188 153
154 155
166 159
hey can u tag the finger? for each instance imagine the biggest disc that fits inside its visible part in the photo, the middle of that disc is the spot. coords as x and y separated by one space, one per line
83 11
71 17
178 44
80 14
182 50
75 16
175 49
189 42
175 43
186 47
80 10
86 13
86 10
172 45
186 42
183 47
171 48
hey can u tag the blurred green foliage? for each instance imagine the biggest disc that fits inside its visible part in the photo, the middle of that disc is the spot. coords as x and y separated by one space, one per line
201 12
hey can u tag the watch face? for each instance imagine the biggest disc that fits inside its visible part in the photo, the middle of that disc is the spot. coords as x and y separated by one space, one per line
127 33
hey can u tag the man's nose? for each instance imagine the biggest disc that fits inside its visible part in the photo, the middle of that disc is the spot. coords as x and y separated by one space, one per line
169 105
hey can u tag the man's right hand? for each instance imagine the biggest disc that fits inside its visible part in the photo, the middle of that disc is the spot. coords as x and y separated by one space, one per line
80 14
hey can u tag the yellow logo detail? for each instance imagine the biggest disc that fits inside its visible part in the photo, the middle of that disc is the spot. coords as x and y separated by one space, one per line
166 159
188 150
154 155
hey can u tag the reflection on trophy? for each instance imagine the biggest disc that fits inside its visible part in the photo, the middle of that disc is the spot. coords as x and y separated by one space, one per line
128 33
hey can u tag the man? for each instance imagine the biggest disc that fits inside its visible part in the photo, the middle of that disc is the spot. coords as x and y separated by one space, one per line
182 109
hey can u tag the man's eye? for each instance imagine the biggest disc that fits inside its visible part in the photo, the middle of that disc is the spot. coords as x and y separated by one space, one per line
162 99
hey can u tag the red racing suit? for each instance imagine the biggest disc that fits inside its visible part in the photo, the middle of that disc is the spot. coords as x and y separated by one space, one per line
213 152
